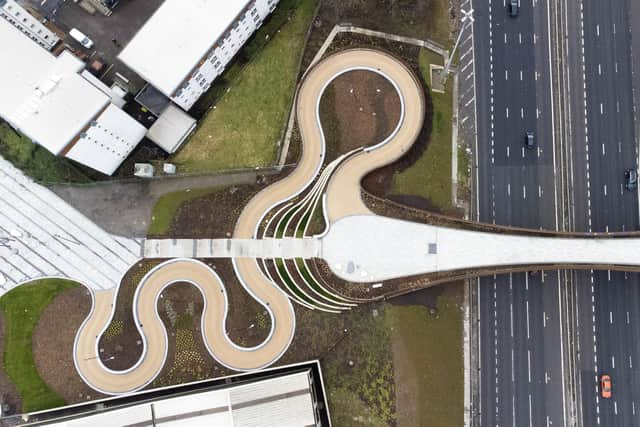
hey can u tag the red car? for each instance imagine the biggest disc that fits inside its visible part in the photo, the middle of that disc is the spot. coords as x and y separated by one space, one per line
605 386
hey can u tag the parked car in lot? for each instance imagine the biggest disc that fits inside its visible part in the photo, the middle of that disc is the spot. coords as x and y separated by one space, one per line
530 140
81 38
514 7
630 179
605 386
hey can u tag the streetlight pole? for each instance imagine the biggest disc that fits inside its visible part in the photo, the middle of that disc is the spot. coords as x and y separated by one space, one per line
467 18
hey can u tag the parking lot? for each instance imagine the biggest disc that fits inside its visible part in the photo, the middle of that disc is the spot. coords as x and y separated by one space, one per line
109 33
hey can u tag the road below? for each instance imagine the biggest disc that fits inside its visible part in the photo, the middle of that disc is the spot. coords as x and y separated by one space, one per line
521 378
604 145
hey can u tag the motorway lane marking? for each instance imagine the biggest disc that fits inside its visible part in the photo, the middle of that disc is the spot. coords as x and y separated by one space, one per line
611 317
522 112
601 108
520 37
524 191
539 191
527 302
628 320
599 69
616 65
506 75
529 365
544 319
613 362
605 190
603 151
520 75
598 30
630 363
505 38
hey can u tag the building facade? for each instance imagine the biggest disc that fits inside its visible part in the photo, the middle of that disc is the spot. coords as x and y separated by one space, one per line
183 47
20 18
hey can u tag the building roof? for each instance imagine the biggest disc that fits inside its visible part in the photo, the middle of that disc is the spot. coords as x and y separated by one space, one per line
108 141
176 38
171 129
43 96
285 400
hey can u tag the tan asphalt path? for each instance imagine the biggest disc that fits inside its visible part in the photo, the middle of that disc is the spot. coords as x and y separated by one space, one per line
344 189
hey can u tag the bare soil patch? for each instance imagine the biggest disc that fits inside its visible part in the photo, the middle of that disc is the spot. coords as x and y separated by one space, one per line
53 340
180 308
121 344
358 109
8 392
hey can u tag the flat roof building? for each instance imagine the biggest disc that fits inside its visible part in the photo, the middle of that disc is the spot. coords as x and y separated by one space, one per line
184 46
48 100
291 395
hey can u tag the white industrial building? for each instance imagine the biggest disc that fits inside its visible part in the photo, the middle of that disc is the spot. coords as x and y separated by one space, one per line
51 101
17 16
185 45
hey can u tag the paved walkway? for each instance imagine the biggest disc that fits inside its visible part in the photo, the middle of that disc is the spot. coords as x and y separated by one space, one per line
370 248
260 287
43 236
287 248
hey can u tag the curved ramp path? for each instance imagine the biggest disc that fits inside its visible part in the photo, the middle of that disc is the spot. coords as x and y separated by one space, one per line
279 306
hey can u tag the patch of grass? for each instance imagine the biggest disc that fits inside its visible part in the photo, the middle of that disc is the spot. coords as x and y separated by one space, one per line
430 176
433 356
35 161
434 24
165 209
247 123
361 367
22 308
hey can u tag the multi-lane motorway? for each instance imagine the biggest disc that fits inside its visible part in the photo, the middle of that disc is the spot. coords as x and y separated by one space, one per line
540 357
521 378
607 322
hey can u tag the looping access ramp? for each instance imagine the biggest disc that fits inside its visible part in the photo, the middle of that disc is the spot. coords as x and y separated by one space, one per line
343 199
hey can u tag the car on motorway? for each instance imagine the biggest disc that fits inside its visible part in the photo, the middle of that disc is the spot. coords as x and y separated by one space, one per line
514 7
630 179
530 140
605 386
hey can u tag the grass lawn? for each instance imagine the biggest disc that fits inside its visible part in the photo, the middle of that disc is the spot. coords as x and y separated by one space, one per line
430 176
432 359
165 209
362 394
247 123
434 24
22 308
34 160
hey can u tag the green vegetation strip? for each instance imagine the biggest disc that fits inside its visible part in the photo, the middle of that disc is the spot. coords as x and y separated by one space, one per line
22 308
166 207
34 160
244 128
430 176
432 356
359 372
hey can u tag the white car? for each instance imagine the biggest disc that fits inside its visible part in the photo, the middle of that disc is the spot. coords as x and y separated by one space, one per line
81 38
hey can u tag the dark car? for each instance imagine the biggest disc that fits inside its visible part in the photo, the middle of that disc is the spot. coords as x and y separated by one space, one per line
530 140
630 179
514 7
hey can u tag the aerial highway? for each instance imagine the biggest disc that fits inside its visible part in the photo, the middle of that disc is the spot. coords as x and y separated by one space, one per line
605 145
521 378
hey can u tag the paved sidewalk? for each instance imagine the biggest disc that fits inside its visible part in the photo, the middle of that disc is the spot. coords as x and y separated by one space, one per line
43 236
232 248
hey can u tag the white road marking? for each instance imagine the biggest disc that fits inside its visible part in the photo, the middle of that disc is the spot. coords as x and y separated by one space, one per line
506 74
613 362
598 30
529 364
605 190
627 317
601 108
611 317
520 75
507 151
520 37
507 111
508 189
544 319
603 153
527 303
539 191
524 191
522 112
599 69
